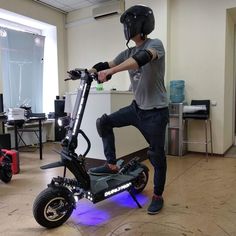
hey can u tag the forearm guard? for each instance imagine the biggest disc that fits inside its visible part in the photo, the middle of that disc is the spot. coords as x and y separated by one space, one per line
142 57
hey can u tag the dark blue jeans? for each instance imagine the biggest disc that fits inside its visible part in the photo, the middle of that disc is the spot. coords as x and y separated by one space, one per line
152 125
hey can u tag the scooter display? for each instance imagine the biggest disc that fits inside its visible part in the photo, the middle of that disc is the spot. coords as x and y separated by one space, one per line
54 205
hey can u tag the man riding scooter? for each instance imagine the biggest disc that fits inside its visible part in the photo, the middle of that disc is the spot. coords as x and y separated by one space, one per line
148 112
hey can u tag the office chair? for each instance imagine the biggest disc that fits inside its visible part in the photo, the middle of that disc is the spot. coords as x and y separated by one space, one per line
204 115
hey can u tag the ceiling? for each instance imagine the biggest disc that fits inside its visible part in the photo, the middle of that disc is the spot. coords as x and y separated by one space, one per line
70 5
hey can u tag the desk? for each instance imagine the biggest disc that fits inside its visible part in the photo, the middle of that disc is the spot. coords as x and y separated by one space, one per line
38 120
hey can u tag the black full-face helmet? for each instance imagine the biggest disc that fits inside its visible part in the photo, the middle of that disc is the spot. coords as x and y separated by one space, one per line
138 19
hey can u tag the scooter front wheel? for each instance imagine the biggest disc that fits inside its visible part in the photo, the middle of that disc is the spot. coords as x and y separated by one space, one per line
53 206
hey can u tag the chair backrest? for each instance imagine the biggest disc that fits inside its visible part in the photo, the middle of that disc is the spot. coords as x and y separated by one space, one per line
207 103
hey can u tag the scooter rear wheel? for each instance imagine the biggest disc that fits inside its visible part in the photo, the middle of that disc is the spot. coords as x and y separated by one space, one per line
141 180
53 206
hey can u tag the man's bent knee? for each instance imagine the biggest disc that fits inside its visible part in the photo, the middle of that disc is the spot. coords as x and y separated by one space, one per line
103 126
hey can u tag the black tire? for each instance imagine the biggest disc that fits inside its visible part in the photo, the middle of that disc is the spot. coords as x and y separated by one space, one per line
5 170
141 181
48 203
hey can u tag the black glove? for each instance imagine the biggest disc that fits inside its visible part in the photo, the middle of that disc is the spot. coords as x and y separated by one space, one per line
101 66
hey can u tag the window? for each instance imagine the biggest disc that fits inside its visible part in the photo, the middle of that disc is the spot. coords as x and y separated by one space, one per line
21 57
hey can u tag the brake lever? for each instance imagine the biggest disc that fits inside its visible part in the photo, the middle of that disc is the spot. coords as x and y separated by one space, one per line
74 74
78 73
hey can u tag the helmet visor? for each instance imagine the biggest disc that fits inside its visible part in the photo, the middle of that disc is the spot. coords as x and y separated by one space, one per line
127 32
130 26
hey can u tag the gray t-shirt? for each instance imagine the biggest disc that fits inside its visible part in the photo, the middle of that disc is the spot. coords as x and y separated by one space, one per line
148 81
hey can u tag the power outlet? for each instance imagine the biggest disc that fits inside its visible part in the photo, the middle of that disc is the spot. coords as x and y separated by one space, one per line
213 103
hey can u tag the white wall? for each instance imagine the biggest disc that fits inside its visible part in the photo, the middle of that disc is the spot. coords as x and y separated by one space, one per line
95 41
229 91
198 55
91 41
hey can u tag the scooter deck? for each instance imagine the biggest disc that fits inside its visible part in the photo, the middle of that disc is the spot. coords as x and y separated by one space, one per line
102 187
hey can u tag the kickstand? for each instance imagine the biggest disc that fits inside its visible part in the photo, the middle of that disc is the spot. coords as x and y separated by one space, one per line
134 198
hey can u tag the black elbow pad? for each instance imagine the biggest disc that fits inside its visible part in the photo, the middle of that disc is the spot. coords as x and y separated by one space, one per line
142 57
101 66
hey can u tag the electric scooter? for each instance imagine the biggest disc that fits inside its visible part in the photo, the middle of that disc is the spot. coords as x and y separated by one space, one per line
54 205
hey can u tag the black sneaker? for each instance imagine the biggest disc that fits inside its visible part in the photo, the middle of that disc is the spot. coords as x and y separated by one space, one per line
156 205
103 170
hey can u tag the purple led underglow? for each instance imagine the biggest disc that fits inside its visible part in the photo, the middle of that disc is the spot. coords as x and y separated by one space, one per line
87 213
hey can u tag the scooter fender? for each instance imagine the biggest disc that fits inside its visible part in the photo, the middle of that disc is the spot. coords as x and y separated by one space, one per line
52 165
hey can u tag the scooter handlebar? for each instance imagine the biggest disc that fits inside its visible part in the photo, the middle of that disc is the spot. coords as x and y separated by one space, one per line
77 74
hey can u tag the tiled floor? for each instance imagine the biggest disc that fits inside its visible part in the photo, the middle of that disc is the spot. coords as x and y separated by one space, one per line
200 199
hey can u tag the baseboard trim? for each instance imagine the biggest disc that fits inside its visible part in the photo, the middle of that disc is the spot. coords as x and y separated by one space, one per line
203 153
